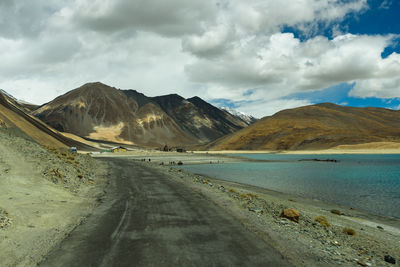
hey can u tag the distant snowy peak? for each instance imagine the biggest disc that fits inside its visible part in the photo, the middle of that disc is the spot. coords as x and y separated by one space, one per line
246 118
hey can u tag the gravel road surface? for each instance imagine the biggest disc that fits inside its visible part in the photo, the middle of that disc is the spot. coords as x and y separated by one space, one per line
147 219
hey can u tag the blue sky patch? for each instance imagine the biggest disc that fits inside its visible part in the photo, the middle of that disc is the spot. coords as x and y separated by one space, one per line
339 94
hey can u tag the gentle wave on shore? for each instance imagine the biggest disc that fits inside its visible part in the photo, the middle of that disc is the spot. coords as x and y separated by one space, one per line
366 182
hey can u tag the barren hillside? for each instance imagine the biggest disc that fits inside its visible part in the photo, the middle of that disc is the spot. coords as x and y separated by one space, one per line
318 126
16 118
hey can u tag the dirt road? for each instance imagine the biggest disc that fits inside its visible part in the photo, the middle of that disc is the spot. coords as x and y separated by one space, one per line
147 219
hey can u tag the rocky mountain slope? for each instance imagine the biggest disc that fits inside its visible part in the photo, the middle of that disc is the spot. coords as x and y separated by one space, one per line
198 118
101 112
25 106
14 116
318 126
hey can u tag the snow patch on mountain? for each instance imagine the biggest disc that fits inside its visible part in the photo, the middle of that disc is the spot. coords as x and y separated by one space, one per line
246 118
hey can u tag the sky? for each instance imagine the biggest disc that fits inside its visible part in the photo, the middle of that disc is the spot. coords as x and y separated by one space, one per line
258 56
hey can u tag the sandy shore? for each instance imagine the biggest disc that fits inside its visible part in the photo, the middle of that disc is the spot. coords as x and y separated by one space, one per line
173 158
307 243
304 152
368 148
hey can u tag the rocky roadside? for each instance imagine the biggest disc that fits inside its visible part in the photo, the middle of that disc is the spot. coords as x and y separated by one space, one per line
319 235
44 194
4 220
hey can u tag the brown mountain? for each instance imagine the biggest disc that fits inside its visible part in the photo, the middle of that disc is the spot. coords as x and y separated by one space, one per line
101 112
318 126
14 118
198 118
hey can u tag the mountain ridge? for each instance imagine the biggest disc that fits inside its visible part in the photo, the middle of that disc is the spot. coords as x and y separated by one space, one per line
15 118
319 126
98 111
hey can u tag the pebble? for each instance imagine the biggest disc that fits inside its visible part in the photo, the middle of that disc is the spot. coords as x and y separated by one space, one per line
284 222
255 209
390 259
335 243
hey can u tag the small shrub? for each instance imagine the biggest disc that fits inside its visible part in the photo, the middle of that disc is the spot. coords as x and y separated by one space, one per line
349 231
248 196
337 212
70 157
322 220
232 190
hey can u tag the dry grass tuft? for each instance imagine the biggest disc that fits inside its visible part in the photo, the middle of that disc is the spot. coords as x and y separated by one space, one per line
322 220
349 231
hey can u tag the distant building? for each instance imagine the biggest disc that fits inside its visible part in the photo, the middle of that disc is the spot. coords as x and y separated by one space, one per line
73 149
118 149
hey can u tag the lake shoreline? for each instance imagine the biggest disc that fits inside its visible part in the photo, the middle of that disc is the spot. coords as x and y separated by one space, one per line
366 182
304 152
306 243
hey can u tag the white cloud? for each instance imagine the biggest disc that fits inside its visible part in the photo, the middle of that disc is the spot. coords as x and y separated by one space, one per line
283 65
210 48
169 18
385 4
260 109
385 88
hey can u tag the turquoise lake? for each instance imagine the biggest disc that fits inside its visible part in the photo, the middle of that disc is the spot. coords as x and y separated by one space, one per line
366 182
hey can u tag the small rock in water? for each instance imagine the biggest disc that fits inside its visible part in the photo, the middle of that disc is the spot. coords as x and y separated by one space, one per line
390 259
379 227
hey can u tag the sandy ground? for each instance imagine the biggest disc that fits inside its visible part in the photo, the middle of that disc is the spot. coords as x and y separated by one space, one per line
44 194
172 158
368 148
307 243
